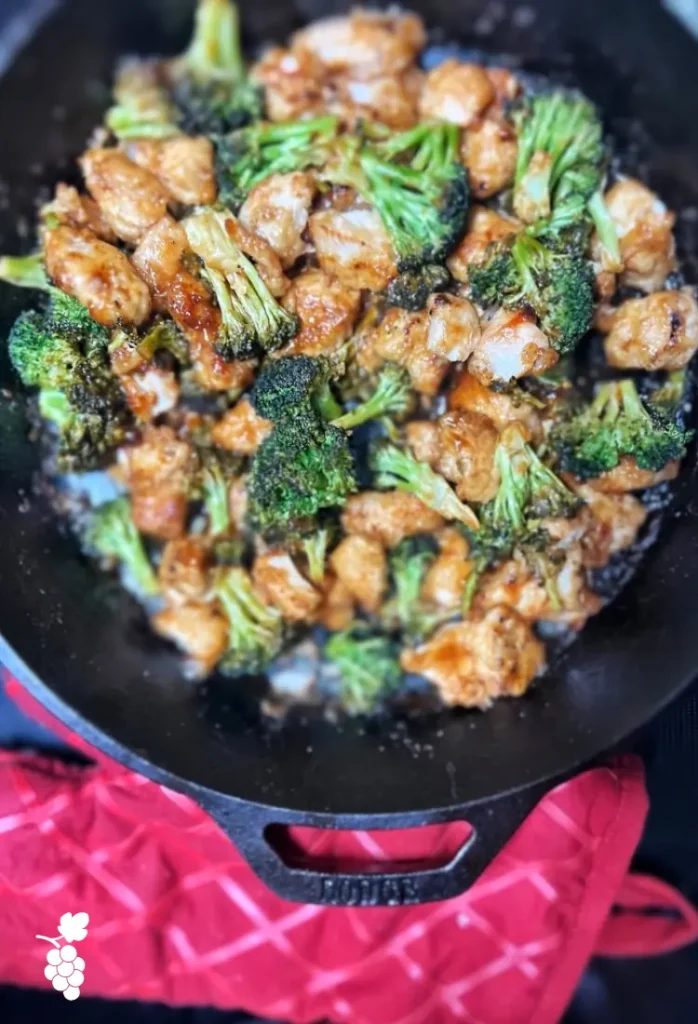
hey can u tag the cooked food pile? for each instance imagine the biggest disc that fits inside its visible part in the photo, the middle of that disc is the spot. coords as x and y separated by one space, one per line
320 319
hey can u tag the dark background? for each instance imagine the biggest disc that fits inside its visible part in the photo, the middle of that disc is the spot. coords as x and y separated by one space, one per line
612 992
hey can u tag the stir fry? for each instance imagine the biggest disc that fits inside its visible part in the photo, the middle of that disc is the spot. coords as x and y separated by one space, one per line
319 318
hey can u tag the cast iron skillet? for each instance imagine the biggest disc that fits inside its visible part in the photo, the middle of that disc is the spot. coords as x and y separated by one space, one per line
79 643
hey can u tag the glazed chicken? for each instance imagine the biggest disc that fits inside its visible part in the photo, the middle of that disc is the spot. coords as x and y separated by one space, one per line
324 320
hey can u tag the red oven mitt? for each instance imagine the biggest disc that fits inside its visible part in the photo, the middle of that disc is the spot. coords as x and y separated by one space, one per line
176 915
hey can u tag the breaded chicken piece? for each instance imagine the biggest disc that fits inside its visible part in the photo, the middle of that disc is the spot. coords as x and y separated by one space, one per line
281 583
460 445
150 392
199 630
97 274
612 523
353 246
131 198
241 430
512 346
78 211
502 408
293 83
327 310
456 92
488 150
444 583
401 337
388 516
658 332
277 210
628 476
337 609
454 330
157 471
484 227
184 571
361 565
392 100
365 44
644 229
473 663
184 167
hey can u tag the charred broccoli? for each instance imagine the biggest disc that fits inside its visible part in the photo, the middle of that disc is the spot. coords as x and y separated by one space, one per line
395 468
416 183
618 423
112 534
249 155
558 286
255 630
211 88
411 289
392 397
294 385
368 668
252 319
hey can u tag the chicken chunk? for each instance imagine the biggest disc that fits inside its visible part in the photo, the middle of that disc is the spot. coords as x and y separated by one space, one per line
150 392
241 430
184 570
158 257
392 100
502 408
157 471
213 372
461 446
281 583
488 150
628 476
484 227
401 338
512 346
456 92
472 663
454 327
361 565
277 210
644 228
366 44
293 83
658 332
327 310
97 274
78 211
444 583
354 246
612 523
388 516
199 630
504 82
337 609
563 597
183 166
130 197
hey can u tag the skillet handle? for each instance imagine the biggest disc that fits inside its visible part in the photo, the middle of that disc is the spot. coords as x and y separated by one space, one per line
493 823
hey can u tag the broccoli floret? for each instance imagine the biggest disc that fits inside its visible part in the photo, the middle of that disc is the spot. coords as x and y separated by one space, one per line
393 397
255 629
406 611
252 319
368 668
416 183
561 158
249 155
112 534
301 468
211 485
615 424
142 107
670 397
290 385
558 286
41 357
411 289
165 336
24 272
607 234
211 87
395 468
315 547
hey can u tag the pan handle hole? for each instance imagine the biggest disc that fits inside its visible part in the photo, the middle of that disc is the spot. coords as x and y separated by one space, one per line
387 851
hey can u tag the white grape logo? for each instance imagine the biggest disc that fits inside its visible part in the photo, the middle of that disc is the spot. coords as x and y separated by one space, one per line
64 968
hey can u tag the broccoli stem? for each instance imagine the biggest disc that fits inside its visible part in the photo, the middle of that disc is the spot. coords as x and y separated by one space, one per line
606 230
113 534
215 51
315 548
398 469
24 272
326 404
215 491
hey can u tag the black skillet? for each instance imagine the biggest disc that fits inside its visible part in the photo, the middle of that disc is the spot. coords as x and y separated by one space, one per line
79 643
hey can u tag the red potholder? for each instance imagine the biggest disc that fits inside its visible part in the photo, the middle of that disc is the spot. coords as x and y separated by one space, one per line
175 914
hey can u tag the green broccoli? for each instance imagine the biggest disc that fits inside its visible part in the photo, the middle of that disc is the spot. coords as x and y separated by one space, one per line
211 485
368 668
561 157
294 384
393 397
142 109
211 87
618 423
315 547
606 231
670 397
303 466
24 272
112 534
417 184
252 319
411 289
246 157
406 611
558 286
255 629
395 468
164 336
